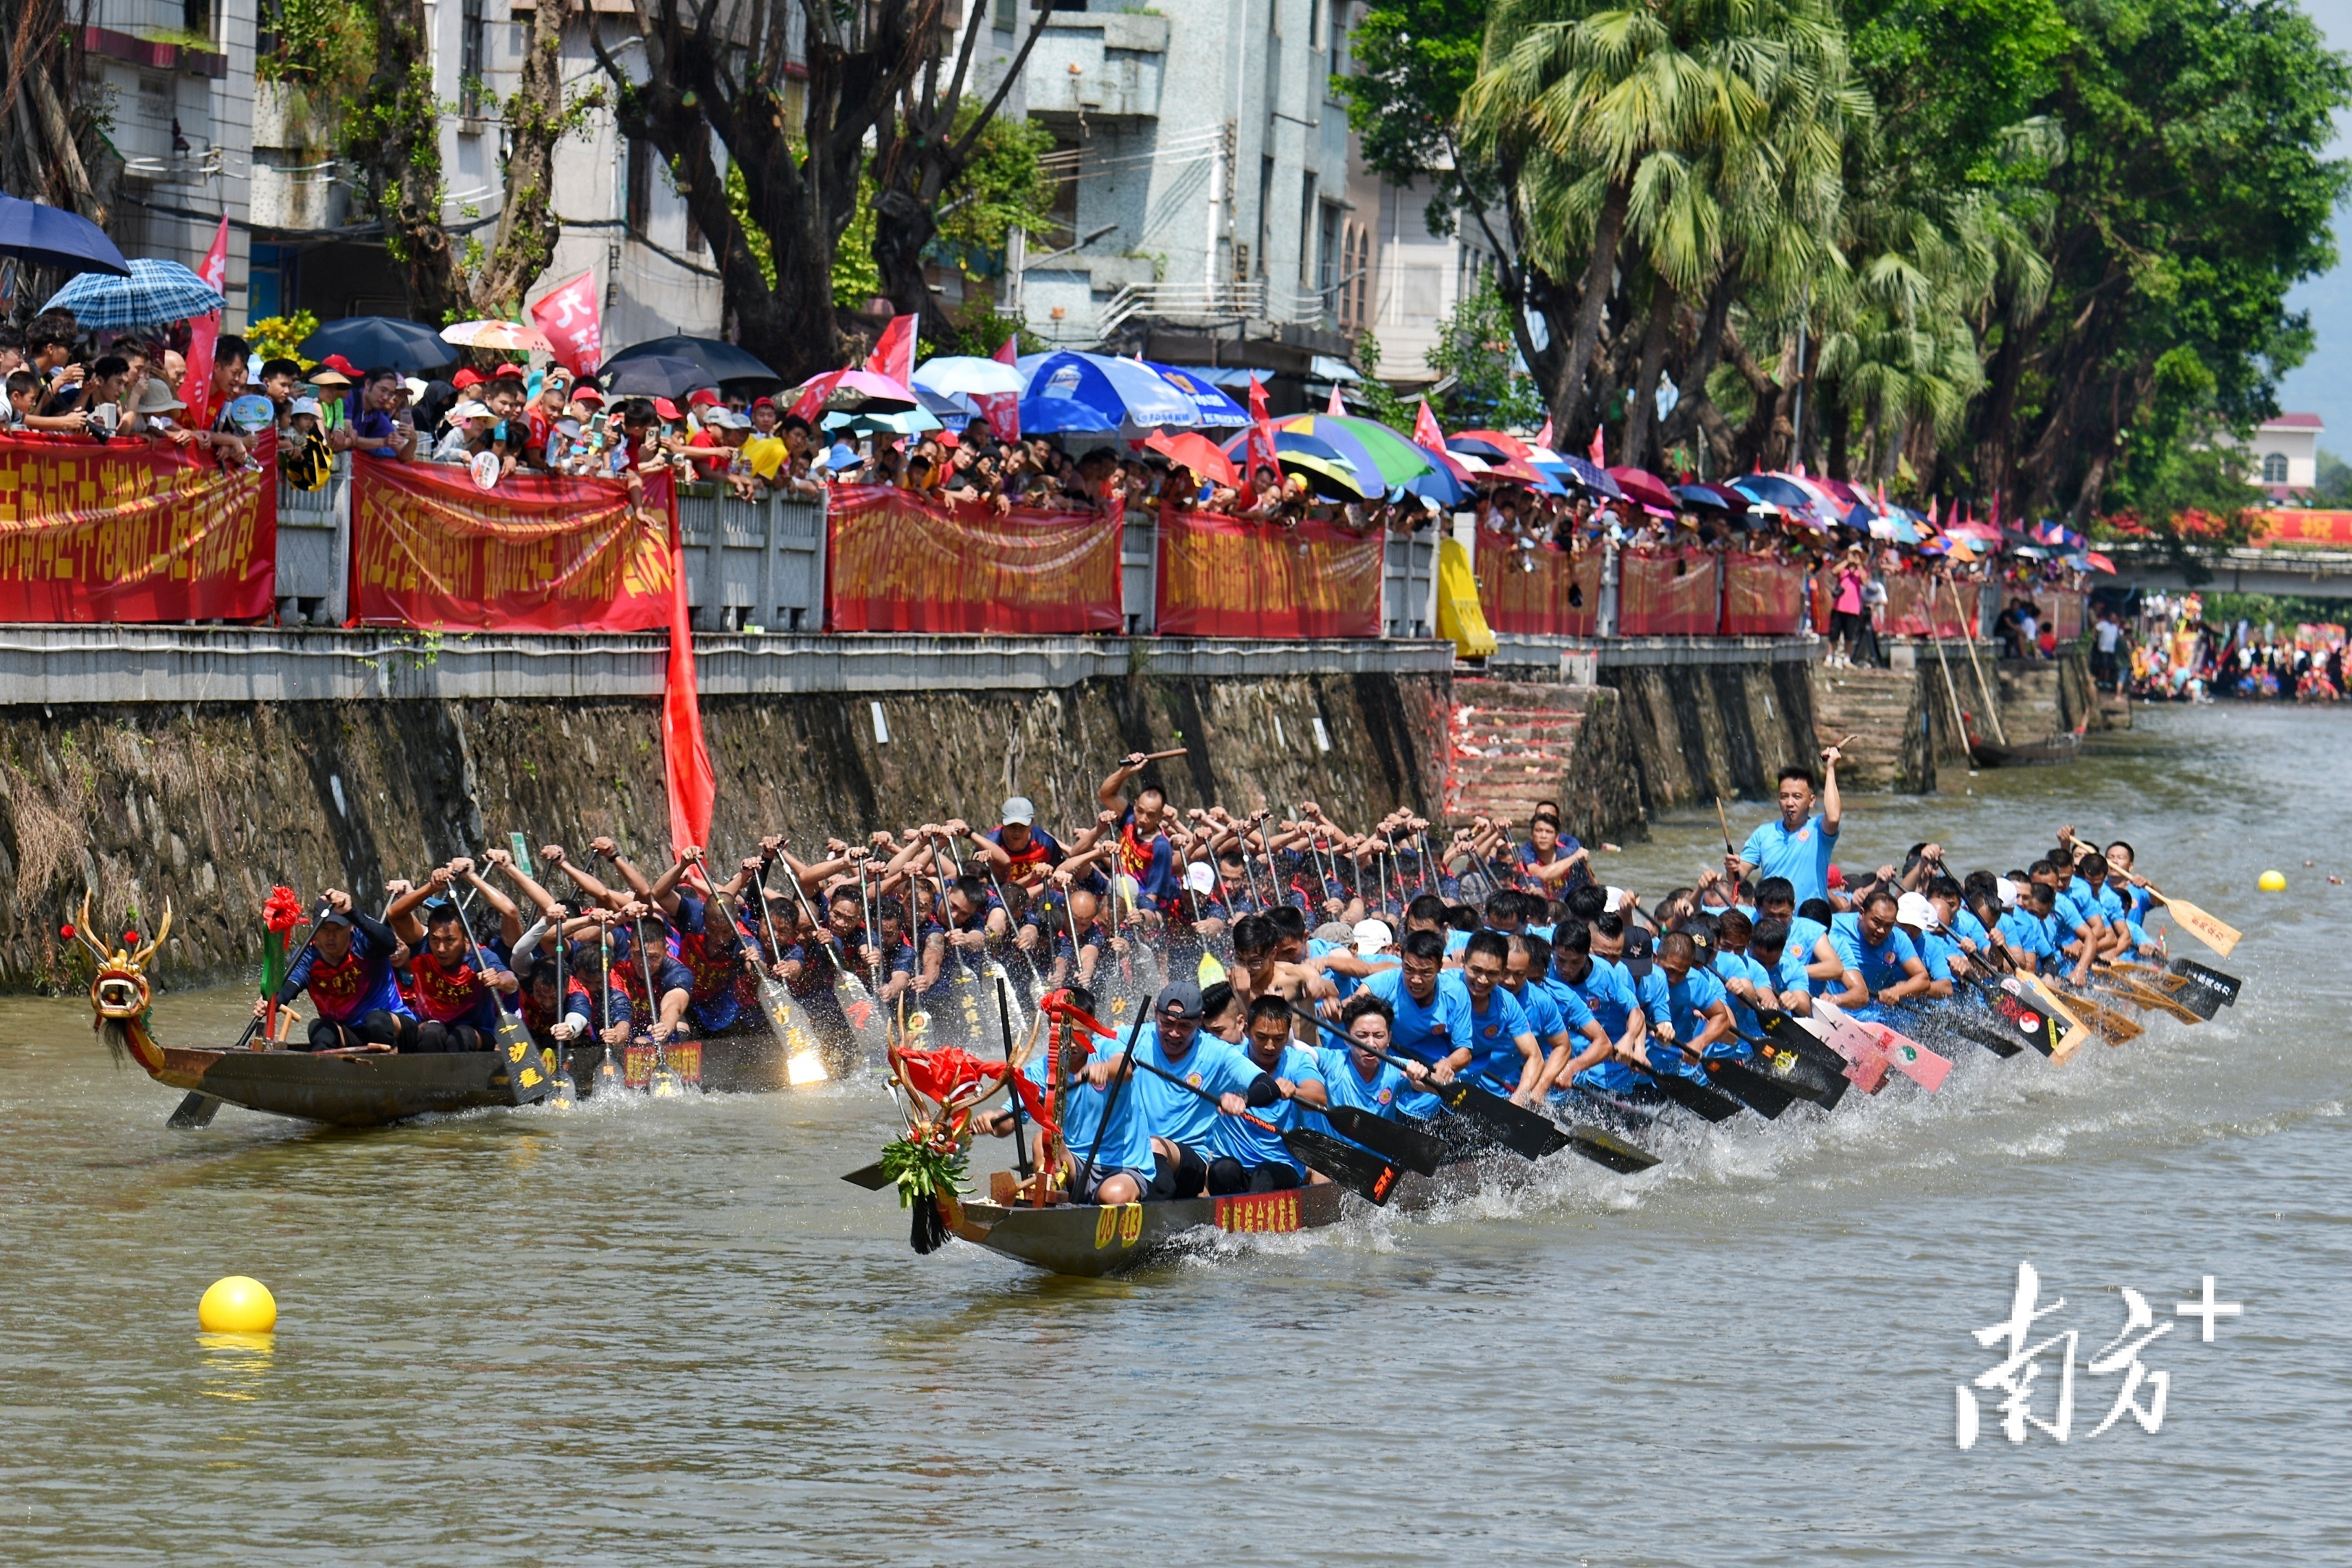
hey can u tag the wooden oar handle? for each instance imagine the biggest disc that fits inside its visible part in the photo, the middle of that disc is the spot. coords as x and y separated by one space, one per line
1164 756
1212 1099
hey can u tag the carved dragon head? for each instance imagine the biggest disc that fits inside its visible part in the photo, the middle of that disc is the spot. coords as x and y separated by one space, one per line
119 990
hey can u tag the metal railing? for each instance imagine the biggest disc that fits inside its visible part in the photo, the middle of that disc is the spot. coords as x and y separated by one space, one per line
1189 305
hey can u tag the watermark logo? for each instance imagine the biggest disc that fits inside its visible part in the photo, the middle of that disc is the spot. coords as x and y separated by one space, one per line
2014 1383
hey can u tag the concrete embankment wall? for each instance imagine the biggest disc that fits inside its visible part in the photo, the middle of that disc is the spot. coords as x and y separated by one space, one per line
1908 737
208 803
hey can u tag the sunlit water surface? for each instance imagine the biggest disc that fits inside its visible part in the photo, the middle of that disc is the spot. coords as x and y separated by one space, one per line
665 1331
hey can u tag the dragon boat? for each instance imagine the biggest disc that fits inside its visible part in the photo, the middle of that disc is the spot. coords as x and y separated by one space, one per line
341 1089
1091 1239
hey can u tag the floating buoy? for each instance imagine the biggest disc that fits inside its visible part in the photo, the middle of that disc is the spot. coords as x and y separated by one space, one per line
238 1305
2272 882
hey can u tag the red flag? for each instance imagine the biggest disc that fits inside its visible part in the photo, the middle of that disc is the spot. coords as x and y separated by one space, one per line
1260 450
894 356
1600 447
1425 430
1335 405
1003 411
203 335
686 761
569 319
1011 353
1543 436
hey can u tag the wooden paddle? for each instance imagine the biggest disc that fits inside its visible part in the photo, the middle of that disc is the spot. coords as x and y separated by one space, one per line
527 1082
1367 1174
2215 934
1724 822
1894 1049
2139 996
2077 1035
2111 1025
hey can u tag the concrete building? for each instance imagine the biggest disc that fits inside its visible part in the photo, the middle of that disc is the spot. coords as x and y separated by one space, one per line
2284 456
176 77
1205 216
315 247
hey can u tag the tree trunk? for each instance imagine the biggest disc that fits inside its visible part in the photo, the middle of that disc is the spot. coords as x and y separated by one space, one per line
397 142
1706 353
1646 379
536 120
1569 409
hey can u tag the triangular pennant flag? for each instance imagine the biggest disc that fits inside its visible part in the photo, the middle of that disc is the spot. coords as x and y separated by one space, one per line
1425 430
1011 353
894 356
1335 405
1600 448
1543 436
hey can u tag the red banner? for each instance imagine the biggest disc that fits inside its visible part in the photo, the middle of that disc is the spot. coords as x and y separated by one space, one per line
2295 526
1761 597
1671 594
1918 606
1537 591
126 531
897 563
1223 578
538 553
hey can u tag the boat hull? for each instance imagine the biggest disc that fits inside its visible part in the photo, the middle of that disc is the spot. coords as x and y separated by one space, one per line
343 1090
1090 1240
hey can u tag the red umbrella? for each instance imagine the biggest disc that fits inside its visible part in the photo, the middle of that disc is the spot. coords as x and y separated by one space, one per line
1195 451
1645 487
2096 560
853 390
1504 446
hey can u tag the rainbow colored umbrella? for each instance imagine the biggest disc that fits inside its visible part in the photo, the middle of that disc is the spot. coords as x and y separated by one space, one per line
1375 451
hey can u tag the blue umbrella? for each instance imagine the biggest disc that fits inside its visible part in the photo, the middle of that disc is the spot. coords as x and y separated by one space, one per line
369 341
155 293
1592 476
51 236
1075 392
1210 405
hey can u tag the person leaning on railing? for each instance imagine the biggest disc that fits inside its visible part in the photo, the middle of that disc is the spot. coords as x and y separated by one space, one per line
383 428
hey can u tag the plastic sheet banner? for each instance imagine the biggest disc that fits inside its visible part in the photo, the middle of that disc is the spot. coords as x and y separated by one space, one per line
897 563
1918 606
1761 597
1222 578
2062 610
1669 594
536 553
1537 591
126 531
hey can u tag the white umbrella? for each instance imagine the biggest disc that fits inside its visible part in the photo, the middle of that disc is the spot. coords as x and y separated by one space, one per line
952 374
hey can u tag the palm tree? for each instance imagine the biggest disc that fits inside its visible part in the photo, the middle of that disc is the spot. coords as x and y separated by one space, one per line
1699 130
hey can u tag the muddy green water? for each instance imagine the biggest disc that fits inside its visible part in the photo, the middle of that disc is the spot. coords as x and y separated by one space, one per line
666 1332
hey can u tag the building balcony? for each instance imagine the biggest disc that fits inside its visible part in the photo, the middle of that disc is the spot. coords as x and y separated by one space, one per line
1098 68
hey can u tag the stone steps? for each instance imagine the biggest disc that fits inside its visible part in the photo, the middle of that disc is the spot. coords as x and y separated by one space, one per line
1874 707
1509 744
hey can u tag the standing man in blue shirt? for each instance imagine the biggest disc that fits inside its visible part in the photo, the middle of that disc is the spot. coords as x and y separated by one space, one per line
1799 845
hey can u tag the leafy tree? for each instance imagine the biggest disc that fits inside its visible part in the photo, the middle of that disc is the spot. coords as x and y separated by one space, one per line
1485 388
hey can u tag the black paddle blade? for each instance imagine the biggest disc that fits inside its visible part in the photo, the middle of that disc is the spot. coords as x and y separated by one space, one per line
1992 1035
1800 1075
527 1080
1516 1127
1359 1170
2022 1011
2207 991
196 1111
1750 1088
1606 1148
1394 1141
1695 1096
870 1178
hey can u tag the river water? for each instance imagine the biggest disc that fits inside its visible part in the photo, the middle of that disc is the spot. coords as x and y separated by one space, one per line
665 1331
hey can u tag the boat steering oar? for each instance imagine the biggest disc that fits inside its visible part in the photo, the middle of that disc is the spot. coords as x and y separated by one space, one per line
1516 1128
1359 1170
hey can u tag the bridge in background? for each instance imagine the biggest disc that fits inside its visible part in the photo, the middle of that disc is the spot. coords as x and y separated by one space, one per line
2298 572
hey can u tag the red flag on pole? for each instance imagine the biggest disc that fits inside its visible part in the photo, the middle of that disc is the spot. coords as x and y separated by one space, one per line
1259 452
1425 430
1543 436
1010 354
894 356
203 335
686 761
569 319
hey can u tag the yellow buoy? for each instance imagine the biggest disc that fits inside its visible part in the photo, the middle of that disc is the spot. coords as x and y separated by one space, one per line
2272 882
238 1305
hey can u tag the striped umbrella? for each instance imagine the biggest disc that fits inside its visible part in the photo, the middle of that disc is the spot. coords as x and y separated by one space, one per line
155 294
1374 451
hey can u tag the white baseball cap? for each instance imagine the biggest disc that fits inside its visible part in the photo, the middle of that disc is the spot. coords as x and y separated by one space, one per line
1913 909
1373 936
2007 890
1019 812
